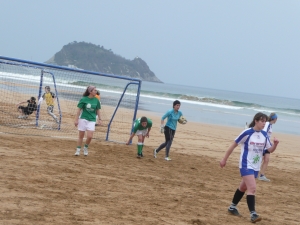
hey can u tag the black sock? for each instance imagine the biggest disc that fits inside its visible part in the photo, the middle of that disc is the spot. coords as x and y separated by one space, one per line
251 203
237 196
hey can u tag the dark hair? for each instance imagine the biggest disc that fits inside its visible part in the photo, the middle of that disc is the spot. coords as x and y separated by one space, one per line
258 117
176 102
32 99
86 93
47 87
98 92
144 119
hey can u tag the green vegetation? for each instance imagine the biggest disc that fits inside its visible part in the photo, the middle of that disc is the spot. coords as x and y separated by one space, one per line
96 58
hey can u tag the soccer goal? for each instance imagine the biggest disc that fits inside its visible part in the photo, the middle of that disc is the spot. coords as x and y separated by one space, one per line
62 88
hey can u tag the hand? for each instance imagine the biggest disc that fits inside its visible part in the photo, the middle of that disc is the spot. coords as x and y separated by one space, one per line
147 135
162 128
76 123
40 100
276 141
99 122
222 163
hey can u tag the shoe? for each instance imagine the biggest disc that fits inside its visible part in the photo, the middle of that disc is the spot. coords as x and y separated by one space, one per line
57 120
139 156
154 153
25 117
255 218
142 155
77 153
20 117
263 178
85 151
168 159
234 211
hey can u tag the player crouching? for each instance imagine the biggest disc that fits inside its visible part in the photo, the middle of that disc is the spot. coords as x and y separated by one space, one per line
142 127
27 110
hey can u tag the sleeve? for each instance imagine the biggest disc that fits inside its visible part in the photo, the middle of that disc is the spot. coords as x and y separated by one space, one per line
136 126
242 137
98 105
80 104
166 115
268 143
53 95
149 123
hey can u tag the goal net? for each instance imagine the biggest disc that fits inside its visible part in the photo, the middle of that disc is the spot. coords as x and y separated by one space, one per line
21 81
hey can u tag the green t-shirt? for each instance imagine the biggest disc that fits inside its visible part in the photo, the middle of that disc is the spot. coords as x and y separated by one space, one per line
89 108
138 125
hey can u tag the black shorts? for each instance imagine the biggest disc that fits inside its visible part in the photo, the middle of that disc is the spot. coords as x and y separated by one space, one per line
25 110
266 152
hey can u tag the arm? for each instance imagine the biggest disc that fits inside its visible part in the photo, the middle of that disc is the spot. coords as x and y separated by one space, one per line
77 116
228 153
147 135
130 138
21 103
274 146
99 117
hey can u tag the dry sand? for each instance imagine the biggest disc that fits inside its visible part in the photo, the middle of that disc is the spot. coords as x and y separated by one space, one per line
42 182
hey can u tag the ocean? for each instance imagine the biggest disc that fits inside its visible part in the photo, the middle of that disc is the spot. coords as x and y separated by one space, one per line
198 104
221 107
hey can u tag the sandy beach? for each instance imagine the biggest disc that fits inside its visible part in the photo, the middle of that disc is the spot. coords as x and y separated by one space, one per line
44 183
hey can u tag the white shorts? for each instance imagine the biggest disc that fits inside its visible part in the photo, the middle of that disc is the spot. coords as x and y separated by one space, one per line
142 132
84 125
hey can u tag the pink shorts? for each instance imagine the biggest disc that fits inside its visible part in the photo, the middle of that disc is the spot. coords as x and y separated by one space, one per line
84 125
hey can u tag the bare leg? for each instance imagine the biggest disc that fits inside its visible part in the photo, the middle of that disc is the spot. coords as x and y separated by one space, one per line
265 164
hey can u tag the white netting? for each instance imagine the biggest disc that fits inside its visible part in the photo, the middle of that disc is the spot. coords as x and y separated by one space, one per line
19 82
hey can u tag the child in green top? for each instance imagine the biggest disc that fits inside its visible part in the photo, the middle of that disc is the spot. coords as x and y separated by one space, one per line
88 108
142 127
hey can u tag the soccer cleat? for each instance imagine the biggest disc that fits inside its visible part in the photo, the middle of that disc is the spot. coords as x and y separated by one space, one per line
168 159
255 218
233 211
142 155
20 117
263 178
85 151
138 156
77 153
154 153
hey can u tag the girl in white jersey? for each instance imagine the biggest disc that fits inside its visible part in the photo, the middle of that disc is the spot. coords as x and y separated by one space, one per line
268 128
253 141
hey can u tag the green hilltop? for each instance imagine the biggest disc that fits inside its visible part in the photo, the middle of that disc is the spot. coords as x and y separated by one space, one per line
96 58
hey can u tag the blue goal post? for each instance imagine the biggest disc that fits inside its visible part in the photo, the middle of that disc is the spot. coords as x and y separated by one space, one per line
20 80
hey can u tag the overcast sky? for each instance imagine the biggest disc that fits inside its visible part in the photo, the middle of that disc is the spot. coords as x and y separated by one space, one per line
248 46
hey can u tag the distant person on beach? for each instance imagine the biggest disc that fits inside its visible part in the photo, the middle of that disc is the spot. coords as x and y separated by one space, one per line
87 109
253 143
142 127
169 129
27 110
266 155
49 97
246 126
